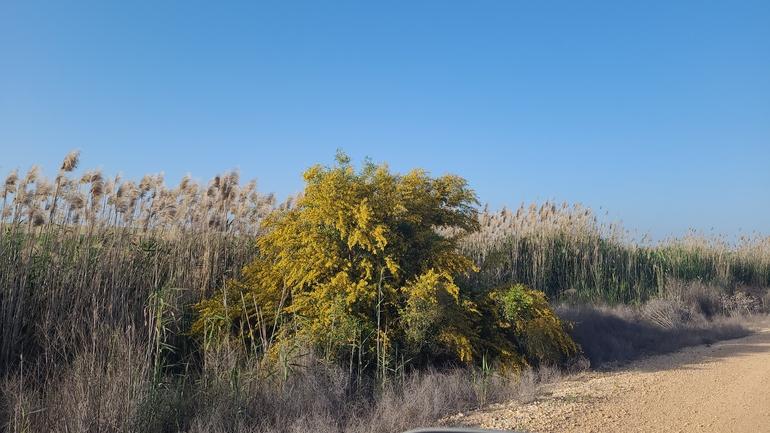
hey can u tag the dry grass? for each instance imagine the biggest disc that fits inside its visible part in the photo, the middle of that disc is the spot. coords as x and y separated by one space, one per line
323 398
690 314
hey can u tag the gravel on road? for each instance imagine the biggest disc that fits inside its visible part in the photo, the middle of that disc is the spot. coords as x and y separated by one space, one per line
722 387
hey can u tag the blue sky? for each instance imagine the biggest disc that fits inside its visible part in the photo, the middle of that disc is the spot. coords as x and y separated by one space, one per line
657 111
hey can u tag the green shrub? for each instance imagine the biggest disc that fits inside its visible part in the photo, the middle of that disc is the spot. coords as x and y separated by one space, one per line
540 334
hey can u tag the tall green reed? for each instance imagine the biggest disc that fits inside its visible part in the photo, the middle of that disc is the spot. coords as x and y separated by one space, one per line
77 252
566 252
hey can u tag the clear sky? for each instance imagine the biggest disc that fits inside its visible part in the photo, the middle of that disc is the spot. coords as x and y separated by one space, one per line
657 111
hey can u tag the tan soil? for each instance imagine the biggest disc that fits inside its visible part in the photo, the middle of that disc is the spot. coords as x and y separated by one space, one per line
724 387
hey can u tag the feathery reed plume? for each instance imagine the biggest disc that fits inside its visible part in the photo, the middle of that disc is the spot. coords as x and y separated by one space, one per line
122 189
86 177
109 185
97 186
184 182
25 197
229 187
214 186
43 189
76 200
159 179
11 181
190 189
38 219
247 189
32 174
70 162
146 184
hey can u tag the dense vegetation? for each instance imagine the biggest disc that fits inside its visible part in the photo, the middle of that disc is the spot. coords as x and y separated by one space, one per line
99 276
357 271
565 252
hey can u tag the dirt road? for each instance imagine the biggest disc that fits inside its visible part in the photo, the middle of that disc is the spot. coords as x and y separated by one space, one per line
724 387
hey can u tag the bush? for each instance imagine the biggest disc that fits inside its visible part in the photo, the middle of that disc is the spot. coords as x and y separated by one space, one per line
357 271
540 335
362 269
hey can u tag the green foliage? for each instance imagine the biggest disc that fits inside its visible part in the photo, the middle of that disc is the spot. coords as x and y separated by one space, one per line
538 332
358 270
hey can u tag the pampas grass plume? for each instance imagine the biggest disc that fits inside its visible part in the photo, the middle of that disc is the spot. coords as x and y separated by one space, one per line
11 180
70 162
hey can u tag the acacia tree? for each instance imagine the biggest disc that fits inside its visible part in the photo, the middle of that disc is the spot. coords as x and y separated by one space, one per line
358 269
362 267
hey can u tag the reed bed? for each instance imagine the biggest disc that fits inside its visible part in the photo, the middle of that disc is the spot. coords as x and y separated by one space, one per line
569 254
81 252
97 274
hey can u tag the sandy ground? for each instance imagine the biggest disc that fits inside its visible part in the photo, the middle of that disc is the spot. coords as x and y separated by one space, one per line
724 387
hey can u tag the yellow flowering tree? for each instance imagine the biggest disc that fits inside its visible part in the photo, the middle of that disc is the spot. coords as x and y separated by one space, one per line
526 329
357 269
